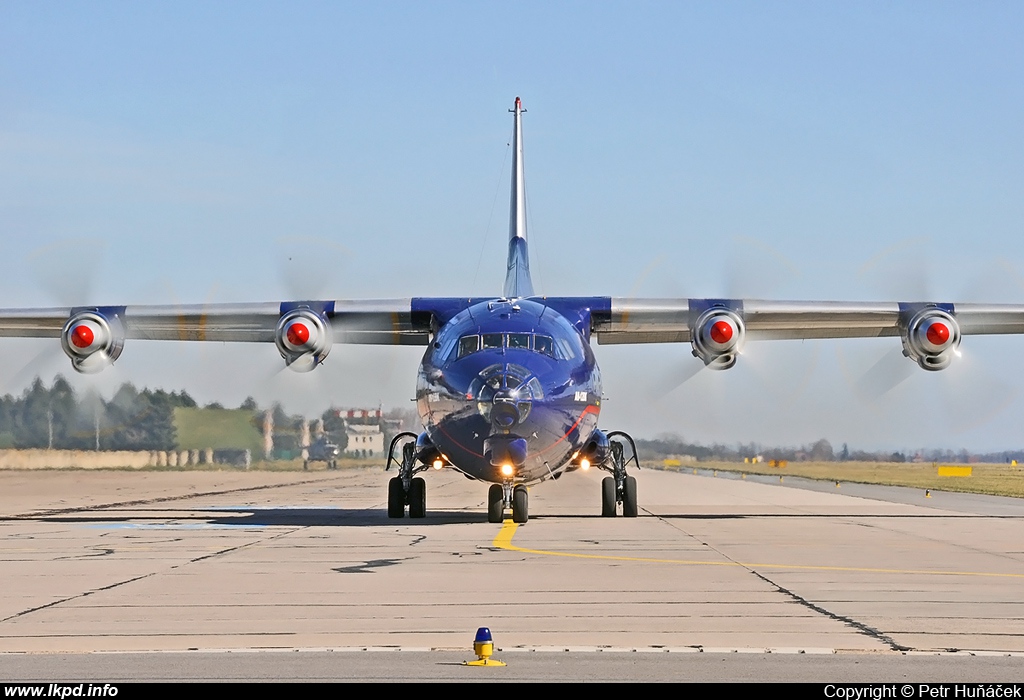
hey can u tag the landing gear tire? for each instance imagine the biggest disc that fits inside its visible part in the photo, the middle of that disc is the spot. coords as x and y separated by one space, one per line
396 498
305 465
520 504
629 509
608 500
418 498
495 504
332 465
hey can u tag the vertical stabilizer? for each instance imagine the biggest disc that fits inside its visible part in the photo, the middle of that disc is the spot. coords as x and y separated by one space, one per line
517 276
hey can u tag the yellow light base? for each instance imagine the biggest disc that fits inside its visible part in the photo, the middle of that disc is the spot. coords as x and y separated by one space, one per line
483 662
483 651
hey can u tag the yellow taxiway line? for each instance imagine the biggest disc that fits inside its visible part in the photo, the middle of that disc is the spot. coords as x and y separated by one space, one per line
503 540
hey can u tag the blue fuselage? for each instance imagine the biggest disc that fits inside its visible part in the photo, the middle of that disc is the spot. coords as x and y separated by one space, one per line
509 383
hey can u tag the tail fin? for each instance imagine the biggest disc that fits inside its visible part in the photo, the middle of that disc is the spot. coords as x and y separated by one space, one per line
517 275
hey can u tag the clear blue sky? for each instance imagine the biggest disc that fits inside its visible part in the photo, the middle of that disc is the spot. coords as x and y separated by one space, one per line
190 152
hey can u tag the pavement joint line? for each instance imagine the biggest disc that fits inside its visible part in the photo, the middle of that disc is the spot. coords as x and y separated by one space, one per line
1011 556
117 584
54 603
539 649
503 540
160 499
946 592
848 621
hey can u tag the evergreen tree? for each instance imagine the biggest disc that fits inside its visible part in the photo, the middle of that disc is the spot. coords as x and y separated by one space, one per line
63 405
334 426
8 412
30 428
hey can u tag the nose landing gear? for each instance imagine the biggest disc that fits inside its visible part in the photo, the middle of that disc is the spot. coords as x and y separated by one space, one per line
520 504
501 497
619 487
495 503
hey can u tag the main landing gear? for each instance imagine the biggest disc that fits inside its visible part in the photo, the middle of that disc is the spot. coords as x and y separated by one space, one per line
406 488
619 487
501 497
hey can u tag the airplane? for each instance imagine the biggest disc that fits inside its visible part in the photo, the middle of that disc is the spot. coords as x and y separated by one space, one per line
508 390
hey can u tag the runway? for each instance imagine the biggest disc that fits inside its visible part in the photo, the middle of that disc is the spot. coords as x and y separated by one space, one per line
215 561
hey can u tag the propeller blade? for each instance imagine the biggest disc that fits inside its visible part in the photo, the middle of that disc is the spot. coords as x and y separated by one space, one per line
903 271
676 377
67 270
971 395
46 363
309 264
885 374
784 369
755 270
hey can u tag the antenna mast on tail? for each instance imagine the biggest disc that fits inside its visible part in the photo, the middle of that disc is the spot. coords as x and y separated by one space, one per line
517 275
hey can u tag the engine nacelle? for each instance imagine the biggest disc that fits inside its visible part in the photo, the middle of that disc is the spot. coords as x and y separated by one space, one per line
931 338
93 340
717 337
303 338
427 452
595 452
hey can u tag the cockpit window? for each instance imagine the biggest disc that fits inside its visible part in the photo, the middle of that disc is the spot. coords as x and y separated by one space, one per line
468 344
445 348
535 388
543 344
519 340
564 351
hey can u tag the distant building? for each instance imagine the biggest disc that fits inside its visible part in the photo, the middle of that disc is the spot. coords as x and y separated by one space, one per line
361 416
365 432
365 441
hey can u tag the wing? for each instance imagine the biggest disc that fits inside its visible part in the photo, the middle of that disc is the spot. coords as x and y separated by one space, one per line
303 331
717 328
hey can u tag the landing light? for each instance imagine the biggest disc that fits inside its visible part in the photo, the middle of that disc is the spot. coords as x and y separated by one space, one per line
506 470
438 463
584 464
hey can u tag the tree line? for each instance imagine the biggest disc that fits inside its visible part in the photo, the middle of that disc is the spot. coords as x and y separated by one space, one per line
58 418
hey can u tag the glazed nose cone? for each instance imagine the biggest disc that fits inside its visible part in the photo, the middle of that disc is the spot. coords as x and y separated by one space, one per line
504 413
